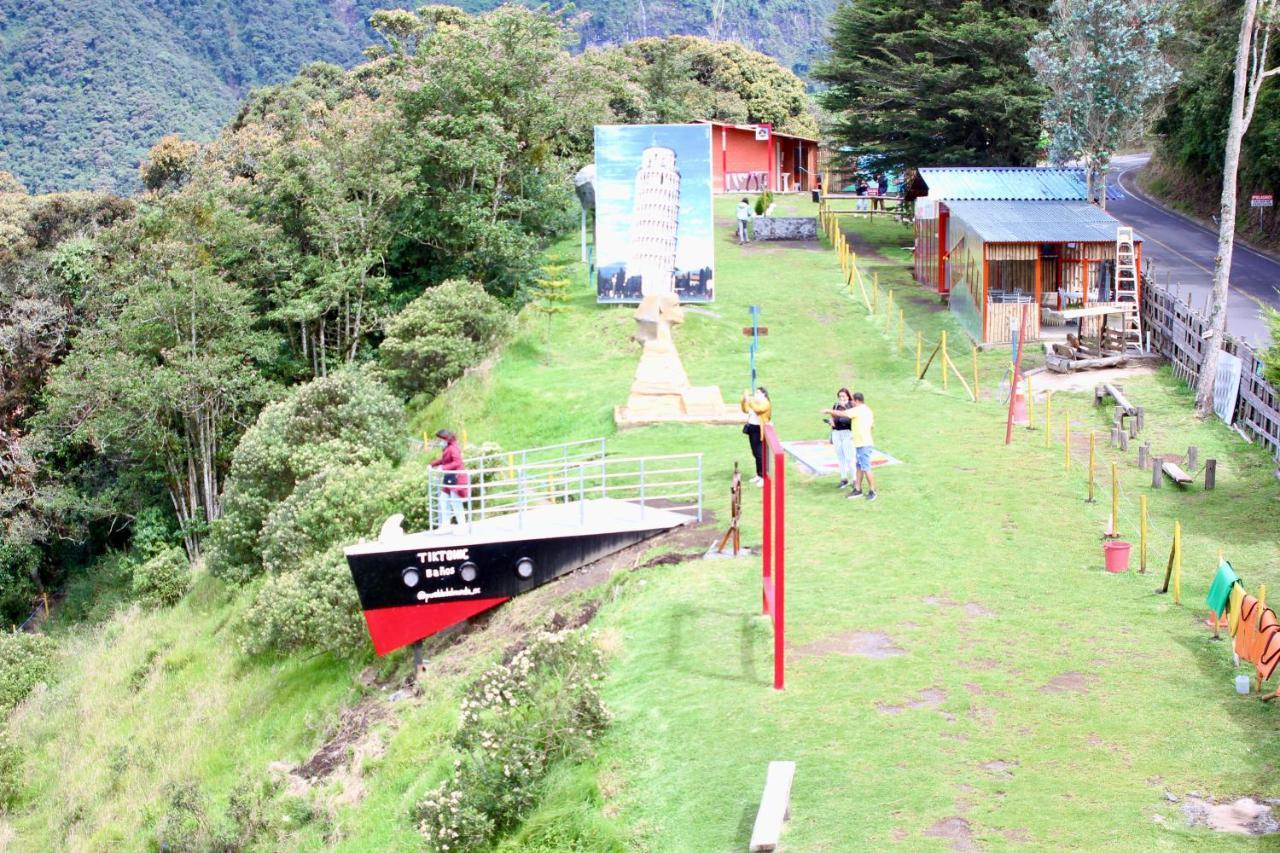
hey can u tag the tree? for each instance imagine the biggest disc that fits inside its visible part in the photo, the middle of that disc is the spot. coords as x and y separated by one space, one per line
1102 63
168 164
1259 20
168 380
919 82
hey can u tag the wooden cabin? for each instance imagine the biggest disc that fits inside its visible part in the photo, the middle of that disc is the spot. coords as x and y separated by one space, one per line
1002 255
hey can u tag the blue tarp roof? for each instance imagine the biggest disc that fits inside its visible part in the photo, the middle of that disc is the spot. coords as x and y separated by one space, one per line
1009 183
1036 221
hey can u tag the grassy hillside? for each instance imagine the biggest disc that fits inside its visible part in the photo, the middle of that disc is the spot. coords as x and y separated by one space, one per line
87 88
961 671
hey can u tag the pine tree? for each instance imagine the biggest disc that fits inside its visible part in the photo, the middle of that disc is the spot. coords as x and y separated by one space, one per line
550 292
922 82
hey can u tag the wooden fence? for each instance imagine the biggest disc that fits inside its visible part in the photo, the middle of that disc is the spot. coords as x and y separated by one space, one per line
1177 332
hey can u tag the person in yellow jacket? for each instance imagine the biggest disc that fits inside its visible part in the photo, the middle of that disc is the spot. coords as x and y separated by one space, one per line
759 412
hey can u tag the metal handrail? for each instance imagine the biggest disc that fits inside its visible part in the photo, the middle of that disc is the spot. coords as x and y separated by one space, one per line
582 473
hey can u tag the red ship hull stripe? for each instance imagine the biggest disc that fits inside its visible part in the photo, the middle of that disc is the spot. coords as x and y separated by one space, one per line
393 627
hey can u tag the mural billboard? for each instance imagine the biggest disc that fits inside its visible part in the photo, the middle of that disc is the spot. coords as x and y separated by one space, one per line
653 212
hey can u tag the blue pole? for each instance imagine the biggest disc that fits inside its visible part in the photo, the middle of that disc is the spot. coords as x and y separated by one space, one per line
755 341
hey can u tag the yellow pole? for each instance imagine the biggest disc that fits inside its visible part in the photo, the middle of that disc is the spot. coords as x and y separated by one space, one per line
1048 419
1115 501
919 347
875 289
975 374
425 441
1066 441
902 322
888 311
944 359
1092 440
1142 534
1031 404
1177 563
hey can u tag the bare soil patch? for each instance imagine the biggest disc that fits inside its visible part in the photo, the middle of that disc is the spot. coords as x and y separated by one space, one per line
930 698
353 724
1067 682
955 830
867 644
1046 381
972 609
1245 816
1000 769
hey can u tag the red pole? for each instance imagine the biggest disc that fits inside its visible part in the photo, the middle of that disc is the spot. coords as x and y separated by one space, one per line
767 512
779 577
1017 372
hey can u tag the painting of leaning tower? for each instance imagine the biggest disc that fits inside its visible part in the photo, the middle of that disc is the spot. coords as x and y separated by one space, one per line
654 218
653 212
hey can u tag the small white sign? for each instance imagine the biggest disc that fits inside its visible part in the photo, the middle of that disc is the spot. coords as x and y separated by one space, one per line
762 133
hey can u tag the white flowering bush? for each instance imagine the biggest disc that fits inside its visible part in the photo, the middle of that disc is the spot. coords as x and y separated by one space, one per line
538 707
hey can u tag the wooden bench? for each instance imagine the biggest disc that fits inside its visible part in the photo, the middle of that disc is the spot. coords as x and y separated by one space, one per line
1173 472
775 806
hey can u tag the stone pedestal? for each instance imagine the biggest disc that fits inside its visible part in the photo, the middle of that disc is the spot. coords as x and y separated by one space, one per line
661 391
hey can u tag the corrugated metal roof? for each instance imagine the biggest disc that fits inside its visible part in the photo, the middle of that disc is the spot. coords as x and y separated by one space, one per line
1009 183
1036 221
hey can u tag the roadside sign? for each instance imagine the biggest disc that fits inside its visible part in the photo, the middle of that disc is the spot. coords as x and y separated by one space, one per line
763 131
1262 200
750 331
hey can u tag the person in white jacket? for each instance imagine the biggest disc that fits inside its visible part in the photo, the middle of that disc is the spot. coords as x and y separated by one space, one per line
745 214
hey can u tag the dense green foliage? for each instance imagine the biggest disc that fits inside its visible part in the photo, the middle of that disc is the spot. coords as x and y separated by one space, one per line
922 83
345 420
163 579
25 661
439 335
1193 130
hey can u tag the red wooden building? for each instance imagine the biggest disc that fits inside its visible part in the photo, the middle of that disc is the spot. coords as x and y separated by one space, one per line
753 158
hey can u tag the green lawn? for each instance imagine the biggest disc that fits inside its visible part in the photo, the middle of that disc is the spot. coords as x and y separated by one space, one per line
1030 697
1036 699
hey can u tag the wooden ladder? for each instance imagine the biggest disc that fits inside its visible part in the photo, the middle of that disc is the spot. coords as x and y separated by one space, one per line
1127 287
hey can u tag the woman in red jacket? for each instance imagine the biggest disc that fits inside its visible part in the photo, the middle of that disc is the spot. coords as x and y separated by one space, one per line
454 488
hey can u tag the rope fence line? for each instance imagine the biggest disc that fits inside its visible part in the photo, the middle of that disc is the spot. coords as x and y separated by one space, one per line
888 314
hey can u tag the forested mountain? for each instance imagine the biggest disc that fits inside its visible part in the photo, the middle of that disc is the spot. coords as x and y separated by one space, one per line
87 88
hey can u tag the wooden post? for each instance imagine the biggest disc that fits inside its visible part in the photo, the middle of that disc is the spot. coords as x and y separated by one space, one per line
1143 450
1142 534
1140 417
1092 440
1124 441
1114 437
1210 474
975 374
944 359
1031 404
1133 427
1066 441
1177 563
919 348
1192 453
1048 419
1115 502
1157 472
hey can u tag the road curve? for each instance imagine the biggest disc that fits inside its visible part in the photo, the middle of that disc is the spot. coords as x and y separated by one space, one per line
1183 253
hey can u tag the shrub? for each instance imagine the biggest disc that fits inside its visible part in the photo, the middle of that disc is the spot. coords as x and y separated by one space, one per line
440 334
19 565
154 532
763 202
339 507
10 770
162 580
25 661
347 418
314 607
517 719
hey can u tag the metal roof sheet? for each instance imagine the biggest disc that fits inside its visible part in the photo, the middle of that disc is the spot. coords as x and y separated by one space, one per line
1036 221
1009 183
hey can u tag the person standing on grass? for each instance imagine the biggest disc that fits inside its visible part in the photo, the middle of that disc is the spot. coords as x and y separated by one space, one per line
744 217
759 412
842 437
860 422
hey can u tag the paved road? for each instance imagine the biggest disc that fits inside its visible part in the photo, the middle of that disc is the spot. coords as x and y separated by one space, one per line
1184 251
